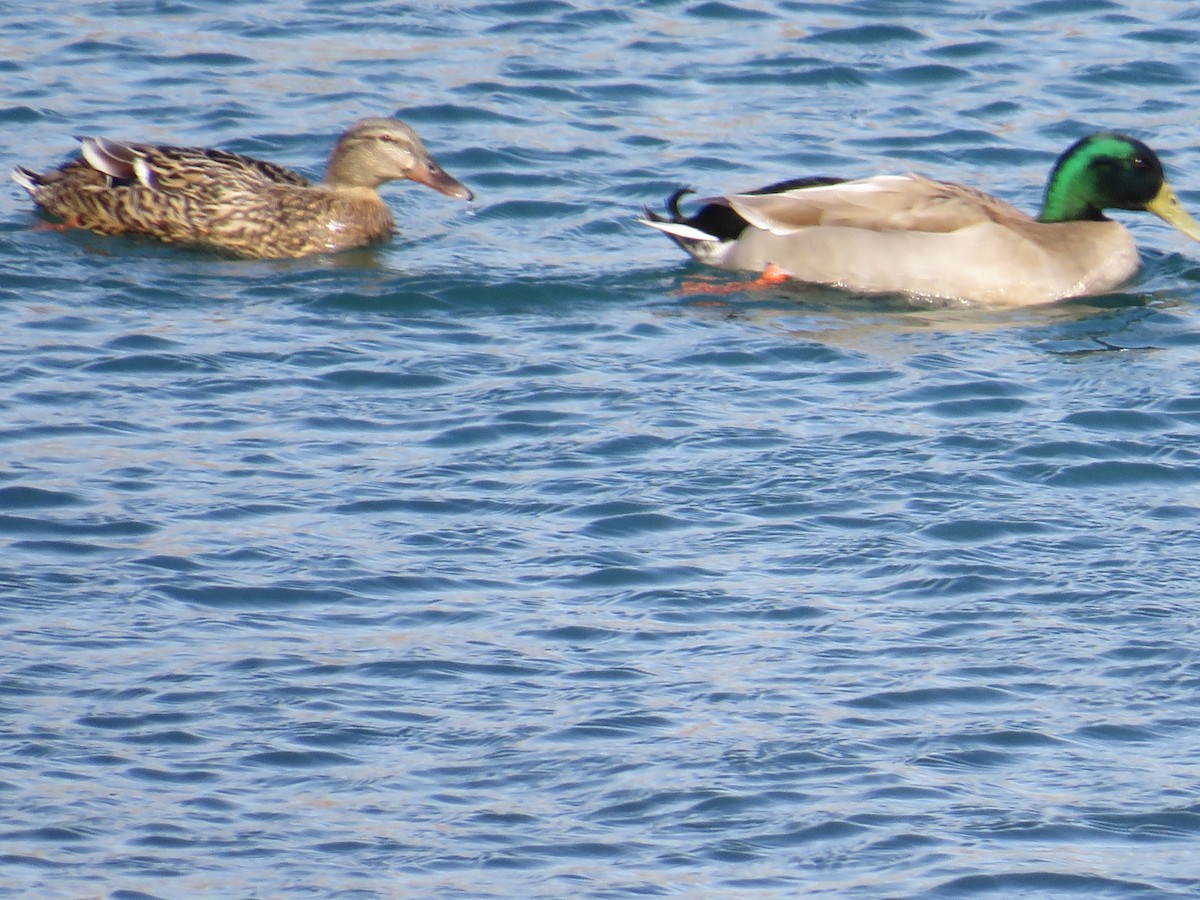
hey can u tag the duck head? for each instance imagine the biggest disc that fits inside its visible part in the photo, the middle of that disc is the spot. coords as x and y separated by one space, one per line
1109 170
374 151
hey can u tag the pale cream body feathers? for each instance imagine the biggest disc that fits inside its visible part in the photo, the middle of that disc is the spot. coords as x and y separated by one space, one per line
907 233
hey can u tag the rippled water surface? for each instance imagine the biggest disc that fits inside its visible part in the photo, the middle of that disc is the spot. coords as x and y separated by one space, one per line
487 562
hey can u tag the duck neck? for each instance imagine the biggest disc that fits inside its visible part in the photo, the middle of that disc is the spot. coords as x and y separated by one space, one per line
1070 192
347 170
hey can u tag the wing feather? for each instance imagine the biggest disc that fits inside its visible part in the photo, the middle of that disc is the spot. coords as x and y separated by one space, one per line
882 203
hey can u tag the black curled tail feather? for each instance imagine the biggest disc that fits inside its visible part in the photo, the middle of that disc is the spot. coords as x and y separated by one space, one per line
715 216
673 203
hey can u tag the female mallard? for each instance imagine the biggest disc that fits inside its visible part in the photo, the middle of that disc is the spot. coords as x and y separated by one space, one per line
232 202
906 233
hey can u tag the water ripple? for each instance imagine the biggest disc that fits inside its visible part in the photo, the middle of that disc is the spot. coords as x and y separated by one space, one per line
528 573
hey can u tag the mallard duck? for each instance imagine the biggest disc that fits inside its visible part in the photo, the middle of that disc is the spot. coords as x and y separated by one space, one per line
911 234
236 203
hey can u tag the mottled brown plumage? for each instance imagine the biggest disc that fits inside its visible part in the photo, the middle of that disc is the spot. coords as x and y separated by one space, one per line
235 203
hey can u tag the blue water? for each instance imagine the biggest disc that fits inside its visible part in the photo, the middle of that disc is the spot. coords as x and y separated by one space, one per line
486 563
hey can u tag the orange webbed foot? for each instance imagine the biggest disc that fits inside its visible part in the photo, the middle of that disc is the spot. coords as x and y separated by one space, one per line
65 225
771 276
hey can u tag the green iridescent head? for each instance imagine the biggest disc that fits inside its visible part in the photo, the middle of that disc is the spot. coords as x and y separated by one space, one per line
1108 170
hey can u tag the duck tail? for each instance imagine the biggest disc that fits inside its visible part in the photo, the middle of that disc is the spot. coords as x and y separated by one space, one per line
682 230
705 235
673 203
27 179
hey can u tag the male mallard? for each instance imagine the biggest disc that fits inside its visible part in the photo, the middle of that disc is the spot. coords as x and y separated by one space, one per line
232 202
906 233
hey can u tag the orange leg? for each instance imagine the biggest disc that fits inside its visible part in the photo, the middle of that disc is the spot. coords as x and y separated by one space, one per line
66 224
772 275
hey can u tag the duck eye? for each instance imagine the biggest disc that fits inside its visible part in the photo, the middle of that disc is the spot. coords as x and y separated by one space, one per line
1139 162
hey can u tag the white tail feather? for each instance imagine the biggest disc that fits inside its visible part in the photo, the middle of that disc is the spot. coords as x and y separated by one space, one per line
25 179
680 230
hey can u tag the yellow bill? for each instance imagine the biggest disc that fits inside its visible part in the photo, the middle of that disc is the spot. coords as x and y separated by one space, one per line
1167 207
